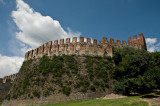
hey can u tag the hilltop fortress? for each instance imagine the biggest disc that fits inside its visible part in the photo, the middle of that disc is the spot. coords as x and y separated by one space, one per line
84 48
27 86
81 48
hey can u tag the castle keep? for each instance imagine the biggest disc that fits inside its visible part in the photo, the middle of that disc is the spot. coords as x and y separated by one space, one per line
84 48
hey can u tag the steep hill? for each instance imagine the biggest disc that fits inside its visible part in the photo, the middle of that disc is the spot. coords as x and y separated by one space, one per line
65 78
70 77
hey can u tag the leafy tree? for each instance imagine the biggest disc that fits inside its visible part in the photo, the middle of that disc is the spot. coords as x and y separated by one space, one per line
136 71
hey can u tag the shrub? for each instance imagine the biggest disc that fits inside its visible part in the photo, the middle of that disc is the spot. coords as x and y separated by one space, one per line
14 96
122 88
92 88
66 90
77 85
51 89
96 83
36 94
8 96
46 93
84 90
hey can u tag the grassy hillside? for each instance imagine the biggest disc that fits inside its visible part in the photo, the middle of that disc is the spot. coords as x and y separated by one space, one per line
128 101
62 75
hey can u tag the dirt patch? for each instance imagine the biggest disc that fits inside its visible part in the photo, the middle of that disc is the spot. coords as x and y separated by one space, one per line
113 96
152 99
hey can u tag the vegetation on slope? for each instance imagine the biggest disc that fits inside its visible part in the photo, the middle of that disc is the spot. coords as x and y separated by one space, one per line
129 71
61 74
128 101
136 71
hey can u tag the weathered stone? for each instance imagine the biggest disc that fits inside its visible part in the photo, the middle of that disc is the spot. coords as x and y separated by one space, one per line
84 48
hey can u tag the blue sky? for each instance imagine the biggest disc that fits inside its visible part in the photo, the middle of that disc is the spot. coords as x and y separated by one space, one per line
27 24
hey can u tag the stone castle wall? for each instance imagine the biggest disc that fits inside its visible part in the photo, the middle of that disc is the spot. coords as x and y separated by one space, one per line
5 85
139 43
10 77
4 88
81 48
84 48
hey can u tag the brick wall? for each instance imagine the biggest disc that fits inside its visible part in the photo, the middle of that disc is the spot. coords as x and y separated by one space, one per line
10 77
137 43
84 48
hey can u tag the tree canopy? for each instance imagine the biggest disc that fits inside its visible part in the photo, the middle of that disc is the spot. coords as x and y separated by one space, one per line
136 71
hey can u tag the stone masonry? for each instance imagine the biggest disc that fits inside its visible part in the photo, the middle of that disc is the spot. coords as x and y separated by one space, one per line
10 77
84 48
4 88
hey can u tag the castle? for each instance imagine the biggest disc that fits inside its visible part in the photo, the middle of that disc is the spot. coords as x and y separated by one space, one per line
81 48
75 47
84 48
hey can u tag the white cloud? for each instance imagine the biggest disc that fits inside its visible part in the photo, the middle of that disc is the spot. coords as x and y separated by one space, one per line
36 29
9 65
151 40
152 44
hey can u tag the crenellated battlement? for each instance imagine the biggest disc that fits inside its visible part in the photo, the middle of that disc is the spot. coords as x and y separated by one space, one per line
68 47
9 79
138 43
4 87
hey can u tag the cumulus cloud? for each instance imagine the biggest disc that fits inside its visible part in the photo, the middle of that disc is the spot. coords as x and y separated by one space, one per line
152 44
151 41
36 29
9 65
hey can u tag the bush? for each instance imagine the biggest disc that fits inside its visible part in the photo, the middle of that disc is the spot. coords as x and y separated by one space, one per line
77 85
122 88
92 88
66 90
84 90
8 96
96 83
36 94
46 93
15 96
51 89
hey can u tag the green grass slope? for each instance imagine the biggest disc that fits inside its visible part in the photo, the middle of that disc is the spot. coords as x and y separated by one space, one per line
128 101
